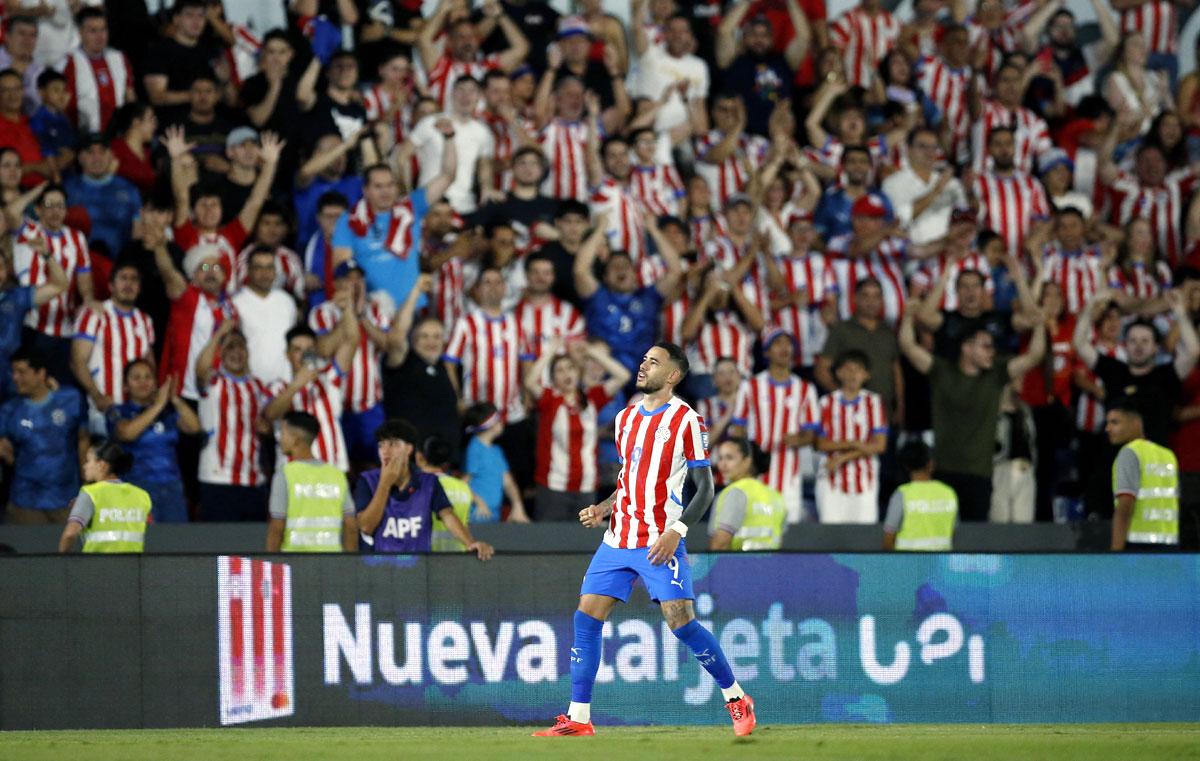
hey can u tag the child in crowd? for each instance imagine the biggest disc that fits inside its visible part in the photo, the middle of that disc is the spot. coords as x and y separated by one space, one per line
487 468
853 434
50 123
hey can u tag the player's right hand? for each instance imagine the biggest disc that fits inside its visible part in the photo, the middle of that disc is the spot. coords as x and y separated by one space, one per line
592 516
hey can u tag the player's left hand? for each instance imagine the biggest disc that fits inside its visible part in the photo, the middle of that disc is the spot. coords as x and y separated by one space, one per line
483 550
664 549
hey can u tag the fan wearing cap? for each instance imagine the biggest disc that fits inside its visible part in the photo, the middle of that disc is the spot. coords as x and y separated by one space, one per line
1057 171
803 292
872 250
112 202
573 59
459 54
199 209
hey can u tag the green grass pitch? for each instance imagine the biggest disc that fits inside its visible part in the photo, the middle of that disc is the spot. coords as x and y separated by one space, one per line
957 742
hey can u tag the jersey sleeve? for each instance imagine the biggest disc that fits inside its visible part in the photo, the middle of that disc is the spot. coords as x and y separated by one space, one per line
810 409
695 440
460 342
741 406
87 325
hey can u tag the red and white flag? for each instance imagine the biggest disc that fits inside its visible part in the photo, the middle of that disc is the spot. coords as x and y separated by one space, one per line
254 620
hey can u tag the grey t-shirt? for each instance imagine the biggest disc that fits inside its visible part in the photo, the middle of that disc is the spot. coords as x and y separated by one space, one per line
1129 472
83 509
895 513
733 505
279 495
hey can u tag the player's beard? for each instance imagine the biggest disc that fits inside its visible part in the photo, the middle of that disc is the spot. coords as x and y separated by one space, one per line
648 386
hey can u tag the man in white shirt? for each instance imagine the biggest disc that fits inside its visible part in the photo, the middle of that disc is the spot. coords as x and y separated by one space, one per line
673 65
473 140
922 194
268 314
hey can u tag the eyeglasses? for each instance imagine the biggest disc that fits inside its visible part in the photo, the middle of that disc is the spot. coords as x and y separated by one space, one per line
54 205
209 267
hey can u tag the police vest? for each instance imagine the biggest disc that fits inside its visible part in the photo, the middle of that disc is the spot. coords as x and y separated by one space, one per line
460 498
1156 510
119 521
762 528
316 494
930 510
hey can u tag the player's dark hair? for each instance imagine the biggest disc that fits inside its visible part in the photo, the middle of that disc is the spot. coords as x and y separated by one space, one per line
300 331
30 356
677 356
437 451
914 456
113 455
303 422
857 356
396 429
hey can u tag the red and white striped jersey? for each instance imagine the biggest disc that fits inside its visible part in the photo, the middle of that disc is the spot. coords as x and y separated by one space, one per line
856 419
446 71
1031 134
812 274
564 144
658 187
449 290
656 447
566 441
324 399
947 87
1140 281
69 247
378 103
229 239
506 142
1089 410
724 252
732 174
925 278
118 337
489 351
884 264
1164 206
864 40
1078 274
363 385
229 409
707 228
993 45
625 229
724 335
673 315
541 322
771 410
289 271
1158 22
1010 205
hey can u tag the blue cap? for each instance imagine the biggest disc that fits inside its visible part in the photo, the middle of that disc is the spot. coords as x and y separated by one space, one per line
1052 158
345 268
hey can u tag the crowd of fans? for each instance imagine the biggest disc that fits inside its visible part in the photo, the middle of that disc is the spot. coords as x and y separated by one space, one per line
965 225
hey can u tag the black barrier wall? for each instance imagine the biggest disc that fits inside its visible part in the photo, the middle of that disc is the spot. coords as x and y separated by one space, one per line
192 641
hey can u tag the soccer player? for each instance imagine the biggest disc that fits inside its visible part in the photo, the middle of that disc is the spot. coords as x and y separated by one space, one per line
661 443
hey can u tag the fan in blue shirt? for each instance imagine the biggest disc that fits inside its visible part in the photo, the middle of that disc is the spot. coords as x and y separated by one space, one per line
618 310
112 202
40 433
832 217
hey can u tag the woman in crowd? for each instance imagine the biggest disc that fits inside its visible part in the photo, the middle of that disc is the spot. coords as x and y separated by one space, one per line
149 424
112 511
133 127
747 514
565 470
1134 89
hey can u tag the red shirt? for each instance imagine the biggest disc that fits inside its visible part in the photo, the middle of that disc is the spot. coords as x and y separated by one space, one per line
19 136
1033 385
134 166
1186 439
566 441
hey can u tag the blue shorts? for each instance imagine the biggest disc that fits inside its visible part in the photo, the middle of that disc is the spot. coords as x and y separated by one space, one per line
359 430
613 572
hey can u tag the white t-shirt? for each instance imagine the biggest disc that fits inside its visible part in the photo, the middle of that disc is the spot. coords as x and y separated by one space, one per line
472 139
659 71
905 187
265 323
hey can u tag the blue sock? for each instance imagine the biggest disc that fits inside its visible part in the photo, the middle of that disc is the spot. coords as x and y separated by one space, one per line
704 646
585 656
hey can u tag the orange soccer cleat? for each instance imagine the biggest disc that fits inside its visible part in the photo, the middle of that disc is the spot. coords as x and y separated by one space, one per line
563 727
741 711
